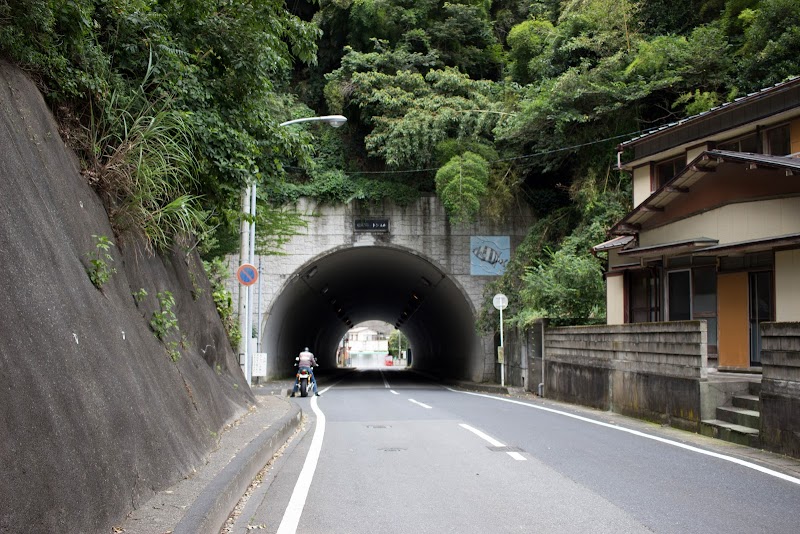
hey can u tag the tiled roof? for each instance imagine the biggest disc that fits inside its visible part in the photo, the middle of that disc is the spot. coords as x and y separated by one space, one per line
615 242
784 162
724 107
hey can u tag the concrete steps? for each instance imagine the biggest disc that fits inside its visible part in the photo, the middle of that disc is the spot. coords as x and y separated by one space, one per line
739 416
743 435
748 402
739 421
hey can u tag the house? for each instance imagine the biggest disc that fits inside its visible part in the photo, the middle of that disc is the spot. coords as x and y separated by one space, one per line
714 232
365 339
366 345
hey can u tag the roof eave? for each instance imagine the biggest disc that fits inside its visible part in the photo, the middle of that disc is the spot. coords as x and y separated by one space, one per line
702 166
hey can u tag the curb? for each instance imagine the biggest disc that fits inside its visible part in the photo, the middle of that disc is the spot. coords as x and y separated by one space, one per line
481 387
212 507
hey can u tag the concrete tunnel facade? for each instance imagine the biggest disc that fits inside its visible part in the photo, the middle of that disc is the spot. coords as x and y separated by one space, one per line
408 266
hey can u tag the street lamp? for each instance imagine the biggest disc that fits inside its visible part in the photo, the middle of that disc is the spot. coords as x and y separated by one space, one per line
247 250
333 120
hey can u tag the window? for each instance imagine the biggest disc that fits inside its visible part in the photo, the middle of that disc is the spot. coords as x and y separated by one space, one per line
776 141
679 285
679 261
643 286
666 171
761 305
756 261
748 143
704 301
692 294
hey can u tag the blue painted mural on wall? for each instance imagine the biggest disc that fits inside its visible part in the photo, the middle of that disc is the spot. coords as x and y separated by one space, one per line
490 255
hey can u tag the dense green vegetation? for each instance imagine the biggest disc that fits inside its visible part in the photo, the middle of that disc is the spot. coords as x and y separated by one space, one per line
175 105
398 343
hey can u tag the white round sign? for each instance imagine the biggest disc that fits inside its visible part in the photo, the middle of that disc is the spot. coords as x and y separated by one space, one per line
500 301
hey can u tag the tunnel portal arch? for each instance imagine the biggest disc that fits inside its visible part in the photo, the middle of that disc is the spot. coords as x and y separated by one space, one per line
356 242
350 285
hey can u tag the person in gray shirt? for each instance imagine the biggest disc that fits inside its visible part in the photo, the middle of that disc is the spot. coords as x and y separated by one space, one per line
306 360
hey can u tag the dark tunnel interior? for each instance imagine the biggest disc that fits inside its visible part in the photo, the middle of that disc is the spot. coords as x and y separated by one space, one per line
333 293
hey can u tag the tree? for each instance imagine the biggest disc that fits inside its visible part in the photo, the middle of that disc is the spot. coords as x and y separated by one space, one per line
398 343
409 114
461 184
459 33
771 41
528 43
562 280
667 17
213 63
568 285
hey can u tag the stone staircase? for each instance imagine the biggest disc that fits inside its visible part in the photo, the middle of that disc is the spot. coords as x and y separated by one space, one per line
739 420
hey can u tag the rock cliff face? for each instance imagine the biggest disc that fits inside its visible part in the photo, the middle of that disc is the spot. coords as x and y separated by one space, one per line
94 414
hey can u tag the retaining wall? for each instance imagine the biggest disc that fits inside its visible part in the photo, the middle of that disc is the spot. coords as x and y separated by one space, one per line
95 416
654 371
648 370
780 388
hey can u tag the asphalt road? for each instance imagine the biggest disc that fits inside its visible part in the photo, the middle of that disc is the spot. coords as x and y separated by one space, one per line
390 452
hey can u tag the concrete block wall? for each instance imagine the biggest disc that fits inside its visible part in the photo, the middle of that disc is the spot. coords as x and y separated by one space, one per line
676 349
653 371
518 344
780 388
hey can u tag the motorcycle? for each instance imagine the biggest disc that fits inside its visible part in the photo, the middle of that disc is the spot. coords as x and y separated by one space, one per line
304 376
303 379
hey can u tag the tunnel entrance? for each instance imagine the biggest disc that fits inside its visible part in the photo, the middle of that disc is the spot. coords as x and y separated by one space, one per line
332 293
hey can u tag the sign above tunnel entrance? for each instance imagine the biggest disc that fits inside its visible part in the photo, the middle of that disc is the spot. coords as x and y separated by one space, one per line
372 225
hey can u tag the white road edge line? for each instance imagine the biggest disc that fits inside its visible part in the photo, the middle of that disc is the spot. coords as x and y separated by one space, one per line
698 450
393 391
385 382
421 404
517 456
291 517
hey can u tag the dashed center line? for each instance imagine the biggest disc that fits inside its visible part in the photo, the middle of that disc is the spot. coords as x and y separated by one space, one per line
393 391
493 442
421 404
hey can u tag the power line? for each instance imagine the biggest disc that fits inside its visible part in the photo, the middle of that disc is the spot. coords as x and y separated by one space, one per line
500 160
564 149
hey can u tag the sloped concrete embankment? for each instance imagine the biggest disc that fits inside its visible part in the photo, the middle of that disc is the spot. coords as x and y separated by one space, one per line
94 415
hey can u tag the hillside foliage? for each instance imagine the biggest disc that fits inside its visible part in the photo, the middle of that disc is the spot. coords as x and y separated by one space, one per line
175 106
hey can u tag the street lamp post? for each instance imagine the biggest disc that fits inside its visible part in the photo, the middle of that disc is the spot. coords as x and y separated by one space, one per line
500 302
247 251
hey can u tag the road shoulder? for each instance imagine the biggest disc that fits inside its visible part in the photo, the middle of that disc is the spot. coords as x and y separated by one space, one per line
202 501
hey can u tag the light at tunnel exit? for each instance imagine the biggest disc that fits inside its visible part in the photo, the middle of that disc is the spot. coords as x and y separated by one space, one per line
373 345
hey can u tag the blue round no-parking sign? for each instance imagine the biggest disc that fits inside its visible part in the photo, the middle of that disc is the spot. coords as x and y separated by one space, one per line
247 274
